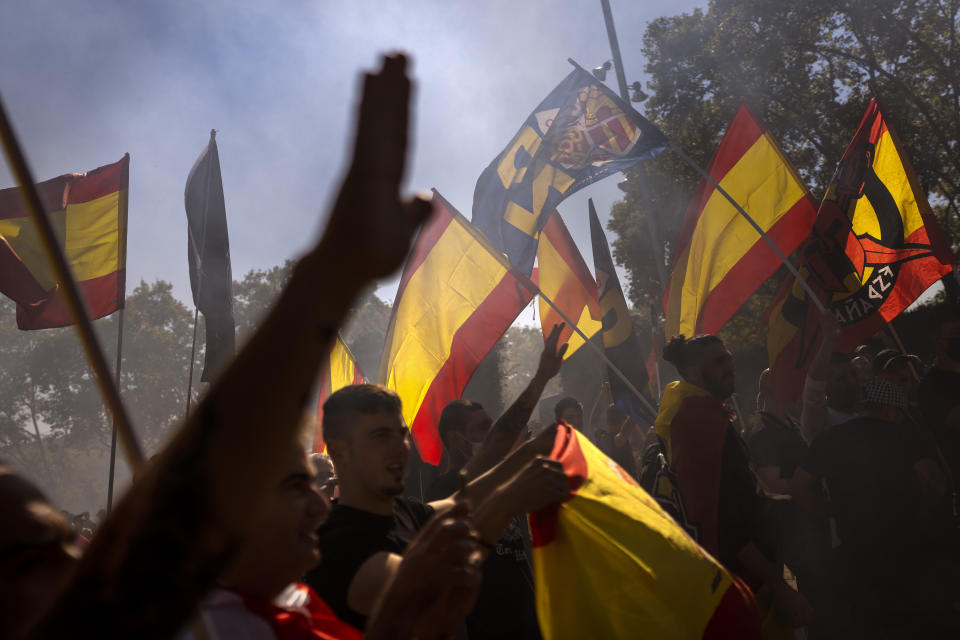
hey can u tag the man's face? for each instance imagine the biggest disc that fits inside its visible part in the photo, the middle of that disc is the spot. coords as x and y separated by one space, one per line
376 453
463 442
37 551
284 546
717 370
573 416
948 341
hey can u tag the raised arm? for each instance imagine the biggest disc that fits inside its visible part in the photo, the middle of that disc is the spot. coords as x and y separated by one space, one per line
178 527
508 428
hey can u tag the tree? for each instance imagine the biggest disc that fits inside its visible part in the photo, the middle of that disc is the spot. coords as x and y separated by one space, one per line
806 69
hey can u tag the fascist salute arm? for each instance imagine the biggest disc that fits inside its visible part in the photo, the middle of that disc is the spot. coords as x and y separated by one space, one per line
510 426
179 526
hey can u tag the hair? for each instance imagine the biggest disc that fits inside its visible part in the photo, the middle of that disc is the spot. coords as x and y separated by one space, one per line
565 403
353 399
683 352
455 415
882 358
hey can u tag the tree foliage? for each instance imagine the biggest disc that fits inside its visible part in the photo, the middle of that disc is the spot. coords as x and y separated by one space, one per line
806 68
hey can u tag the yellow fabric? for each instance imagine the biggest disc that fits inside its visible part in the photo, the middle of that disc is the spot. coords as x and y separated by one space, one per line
89 233
890 169
764 183
552 272
343 369
454 278
620 567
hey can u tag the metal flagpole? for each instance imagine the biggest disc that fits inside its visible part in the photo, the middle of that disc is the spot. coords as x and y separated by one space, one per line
113 435
527 282
193 351
656 243
71 293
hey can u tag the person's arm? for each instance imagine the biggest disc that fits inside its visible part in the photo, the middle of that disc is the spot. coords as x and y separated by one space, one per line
806 493
813 413
170 537
598 420
792 607
435 584
625 432
539 483
508 428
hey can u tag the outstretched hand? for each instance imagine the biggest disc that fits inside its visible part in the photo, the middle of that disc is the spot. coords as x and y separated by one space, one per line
552 358
370 220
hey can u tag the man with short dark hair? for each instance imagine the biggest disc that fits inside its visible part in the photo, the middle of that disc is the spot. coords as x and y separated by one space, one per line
570 411
711 465
831 386
370 526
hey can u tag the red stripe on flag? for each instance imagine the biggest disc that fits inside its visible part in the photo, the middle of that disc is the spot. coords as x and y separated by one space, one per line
743 133
471 343
729 295
100 182
52 195
102 296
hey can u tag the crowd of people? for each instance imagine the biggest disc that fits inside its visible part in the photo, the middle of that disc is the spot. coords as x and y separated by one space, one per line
838 512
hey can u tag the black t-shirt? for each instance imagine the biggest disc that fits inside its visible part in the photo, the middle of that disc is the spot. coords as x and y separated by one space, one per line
740 507
776 443
868 466
349 537
505 606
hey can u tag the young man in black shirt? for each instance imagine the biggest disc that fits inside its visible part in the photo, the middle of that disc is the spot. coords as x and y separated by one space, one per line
362 543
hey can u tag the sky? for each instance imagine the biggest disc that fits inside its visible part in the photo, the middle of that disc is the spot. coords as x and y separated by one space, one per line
86 81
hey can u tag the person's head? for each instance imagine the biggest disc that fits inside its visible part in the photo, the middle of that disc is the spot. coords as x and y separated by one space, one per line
843 385
703 361
37 551
883 400
901 370
368 442
944 329
282 545
325 477
570 411
463 426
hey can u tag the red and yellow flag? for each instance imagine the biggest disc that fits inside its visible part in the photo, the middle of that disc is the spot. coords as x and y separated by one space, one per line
563 276
721 259
610 563
89 214
339 370
875 248
457 296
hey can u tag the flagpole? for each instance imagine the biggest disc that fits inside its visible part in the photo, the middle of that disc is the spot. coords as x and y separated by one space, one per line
736 205
193 351
527 282
113 435
71 292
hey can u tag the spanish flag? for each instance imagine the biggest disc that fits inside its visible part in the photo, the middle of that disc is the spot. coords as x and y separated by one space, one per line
610 563
875 248
89 215
339 370
457 296
721 260
563 276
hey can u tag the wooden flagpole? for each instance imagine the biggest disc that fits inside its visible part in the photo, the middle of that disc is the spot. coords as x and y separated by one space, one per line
71 292
193 352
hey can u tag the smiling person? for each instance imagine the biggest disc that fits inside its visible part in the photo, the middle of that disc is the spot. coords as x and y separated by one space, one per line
366 537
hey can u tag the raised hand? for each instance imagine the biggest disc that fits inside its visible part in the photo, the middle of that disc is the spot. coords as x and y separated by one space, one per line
552 358
370 223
